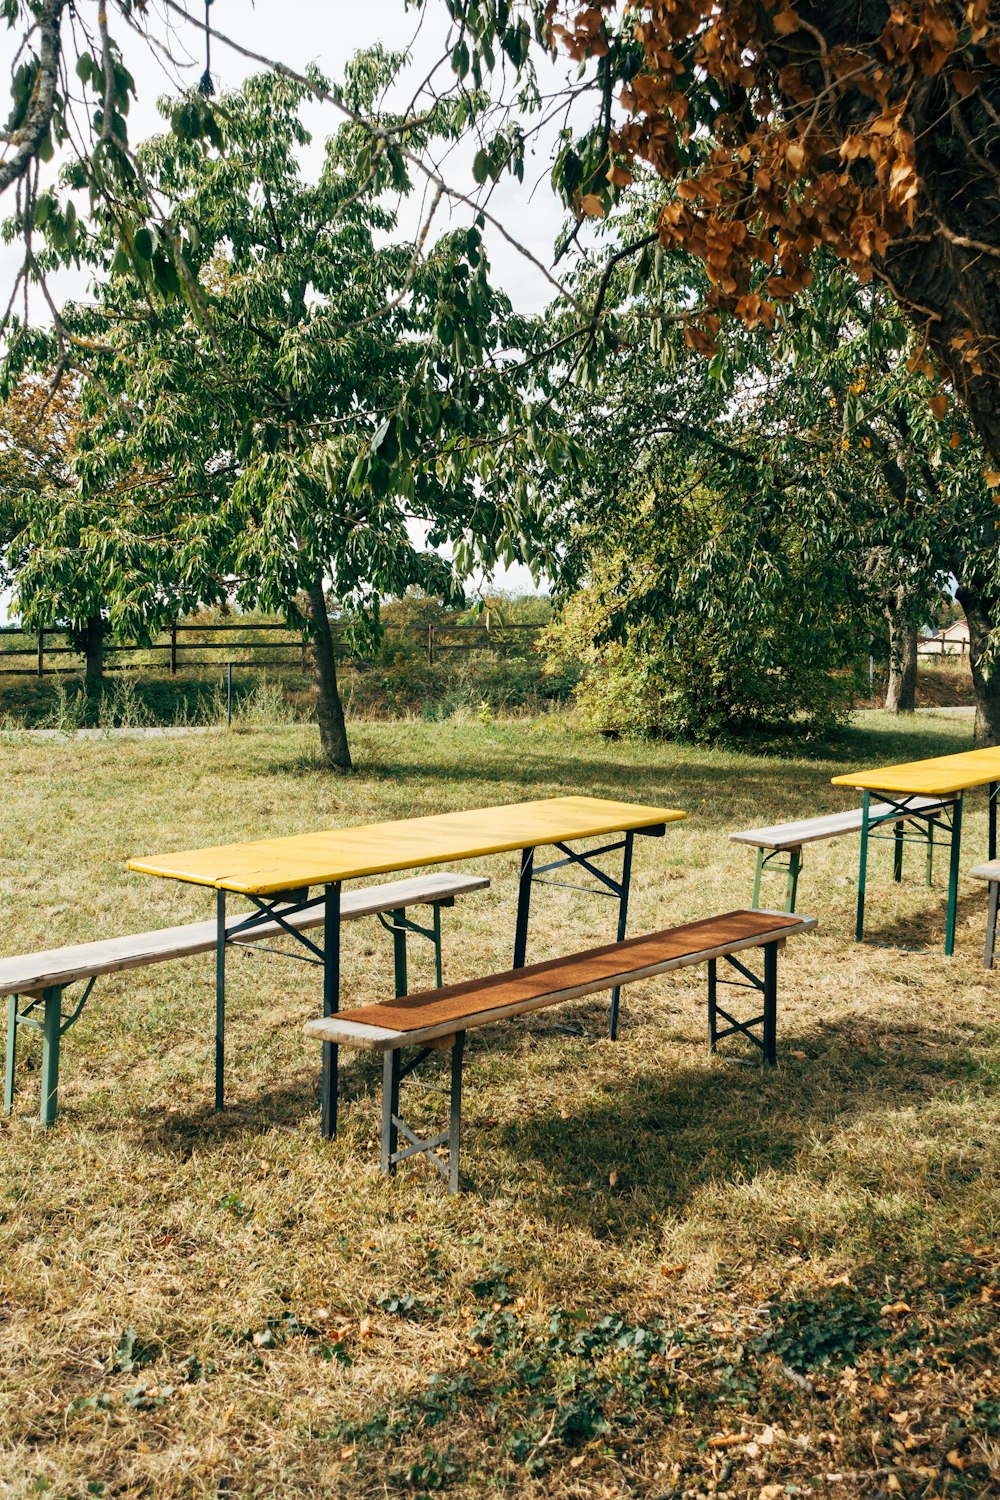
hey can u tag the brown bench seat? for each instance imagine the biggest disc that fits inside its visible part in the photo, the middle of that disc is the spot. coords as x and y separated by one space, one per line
438 1019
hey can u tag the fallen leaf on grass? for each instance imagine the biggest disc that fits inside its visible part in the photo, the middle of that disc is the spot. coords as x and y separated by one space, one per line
895 1309
771 1492
955 1460
728 1439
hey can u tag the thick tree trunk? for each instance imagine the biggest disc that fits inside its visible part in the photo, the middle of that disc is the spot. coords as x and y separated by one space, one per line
901 691
329 708
93 654
981 611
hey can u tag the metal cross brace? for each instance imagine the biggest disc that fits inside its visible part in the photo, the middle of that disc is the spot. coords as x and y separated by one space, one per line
394 1070
766 985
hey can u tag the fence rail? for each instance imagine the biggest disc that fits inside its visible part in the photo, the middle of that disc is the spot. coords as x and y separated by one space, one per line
172 651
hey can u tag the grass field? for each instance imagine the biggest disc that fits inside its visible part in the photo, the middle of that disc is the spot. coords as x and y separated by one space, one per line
668 1275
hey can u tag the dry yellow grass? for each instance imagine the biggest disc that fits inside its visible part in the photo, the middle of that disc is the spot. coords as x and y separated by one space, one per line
809 1256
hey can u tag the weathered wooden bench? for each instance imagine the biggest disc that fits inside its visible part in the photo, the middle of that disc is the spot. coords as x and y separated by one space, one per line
789 838
990 871
438 1019
41 978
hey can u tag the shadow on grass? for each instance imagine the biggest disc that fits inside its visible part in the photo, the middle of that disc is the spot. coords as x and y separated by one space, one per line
665 1132
668 1133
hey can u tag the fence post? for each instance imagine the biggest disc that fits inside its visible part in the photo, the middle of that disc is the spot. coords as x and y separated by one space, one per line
430 645
41 651
229 695
173 649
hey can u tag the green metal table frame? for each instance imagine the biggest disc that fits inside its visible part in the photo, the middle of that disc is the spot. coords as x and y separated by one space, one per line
945 818
605 884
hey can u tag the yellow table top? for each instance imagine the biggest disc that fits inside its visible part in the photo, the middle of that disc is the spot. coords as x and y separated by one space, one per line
266 866
934 777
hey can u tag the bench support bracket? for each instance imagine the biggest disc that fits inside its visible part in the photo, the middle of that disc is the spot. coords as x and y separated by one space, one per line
762 1030
792 870
53 1027
394 1070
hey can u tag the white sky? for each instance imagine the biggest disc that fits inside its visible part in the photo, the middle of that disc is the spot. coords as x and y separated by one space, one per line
299 32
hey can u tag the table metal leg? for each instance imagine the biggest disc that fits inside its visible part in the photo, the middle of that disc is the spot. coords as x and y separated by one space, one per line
897 852
859 925
455 1112
794 866
956 855
220 998
399 950
523 907
713 998
991 925
771 1003
438 965
391 1072
331 1004
8 1082
622 926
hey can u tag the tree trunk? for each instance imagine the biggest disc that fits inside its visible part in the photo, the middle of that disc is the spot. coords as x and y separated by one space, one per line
329 708
981 610
901 691
93 654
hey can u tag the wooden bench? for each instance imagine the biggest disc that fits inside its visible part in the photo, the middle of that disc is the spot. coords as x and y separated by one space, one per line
990 871
41 978
789 838
438 1019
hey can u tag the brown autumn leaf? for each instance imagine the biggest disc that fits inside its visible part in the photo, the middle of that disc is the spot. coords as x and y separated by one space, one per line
785 22
939 404
895 1309
592 206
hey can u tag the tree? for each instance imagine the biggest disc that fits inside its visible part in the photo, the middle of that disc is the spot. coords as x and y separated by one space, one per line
39 426
830 468
321 400
867 129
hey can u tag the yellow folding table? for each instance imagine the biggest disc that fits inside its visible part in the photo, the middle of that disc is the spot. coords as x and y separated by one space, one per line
943 777
275 875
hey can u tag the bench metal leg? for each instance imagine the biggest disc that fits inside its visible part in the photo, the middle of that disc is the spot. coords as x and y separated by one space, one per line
991 924
51 1037
992 804
756 880
394 1070
331 1004
956 854
932 828
8 1081
622 927
897 852
762 1030
438 965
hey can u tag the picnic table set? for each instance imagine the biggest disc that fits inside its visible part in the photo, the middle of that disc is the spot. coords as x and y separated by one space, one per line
294 888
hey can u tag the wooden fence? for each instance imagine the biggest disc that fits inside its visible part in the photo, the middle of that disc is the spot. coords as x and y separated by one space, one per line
46 652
